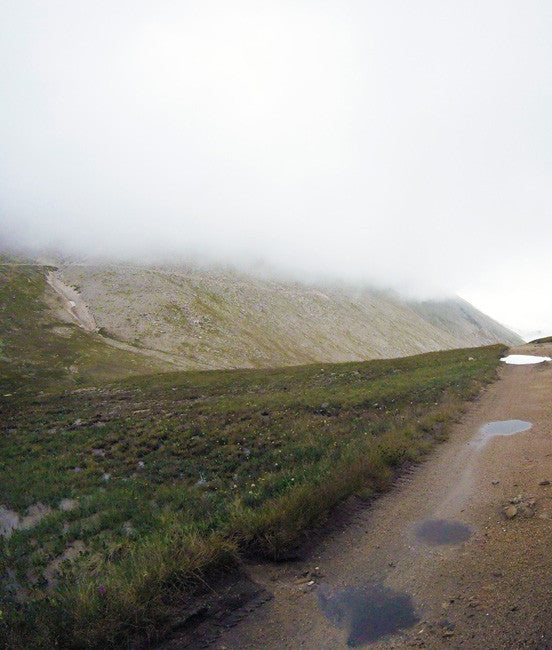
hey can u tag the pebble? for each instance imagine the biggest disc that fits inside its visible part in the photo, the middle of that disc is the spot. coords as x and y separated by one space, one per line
510 512
545 482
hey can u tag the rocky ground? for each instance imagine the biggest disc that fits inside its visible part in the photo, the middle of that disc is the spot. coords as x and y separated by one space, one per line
458 555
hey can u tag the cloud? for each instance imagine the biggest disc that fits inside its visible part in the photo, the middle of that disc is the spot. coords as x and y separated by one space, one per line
402 143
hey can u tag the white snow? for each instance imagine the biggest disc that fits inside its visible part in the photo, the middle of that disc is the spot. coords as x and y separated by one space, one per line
521 359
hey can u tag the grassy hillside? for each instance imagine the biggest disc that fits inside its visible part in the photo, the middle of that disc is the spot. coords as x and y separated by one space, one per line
545 339
151 485
41 348
224 319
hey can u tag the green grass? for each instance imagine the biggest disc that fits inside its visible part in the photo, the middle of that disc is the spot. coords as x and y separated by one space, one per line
204 469
545 339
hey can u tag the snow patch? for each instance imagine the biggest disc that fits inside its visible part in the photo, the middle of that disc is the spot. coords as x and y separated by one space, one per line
523 359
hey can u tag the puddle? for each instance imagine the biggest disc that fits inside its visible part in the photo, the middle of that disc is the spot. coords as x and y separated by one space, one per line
437 532
370 613
523 359
500 428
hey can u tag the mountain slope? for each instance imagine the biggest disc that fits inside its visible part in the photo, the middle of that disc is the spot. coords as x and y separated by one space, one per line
463 321
223 319
42 347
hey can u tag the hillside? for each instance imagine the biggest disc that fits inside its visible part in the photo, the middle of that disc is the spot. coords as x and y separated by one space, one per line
74 324
464 321
225 319
41 346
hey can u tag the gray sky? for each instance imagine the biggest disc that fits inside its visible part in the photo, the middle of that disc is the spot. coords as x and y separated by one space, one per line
406 143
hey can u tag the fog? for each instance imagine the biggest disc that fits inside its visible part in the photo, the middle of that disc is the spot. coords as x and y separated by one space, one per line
406 144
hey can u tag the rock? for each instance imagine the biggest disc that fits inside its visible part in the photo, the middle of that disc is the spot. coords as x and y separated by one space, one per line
66 505
545 482
128 529
510 511
495 482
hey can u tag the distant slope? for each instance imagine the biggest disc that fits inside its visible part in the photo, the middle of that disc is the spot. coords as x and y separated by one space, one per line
224 319
463 321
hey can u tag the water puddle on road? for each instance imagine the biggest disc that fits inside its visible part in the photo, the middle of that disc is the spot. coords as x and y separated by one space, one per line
370 613
437 532
500 428
523 359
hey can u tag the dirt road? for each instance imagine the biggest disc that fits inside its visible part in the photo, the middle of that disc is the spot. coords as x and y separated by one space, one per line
435 563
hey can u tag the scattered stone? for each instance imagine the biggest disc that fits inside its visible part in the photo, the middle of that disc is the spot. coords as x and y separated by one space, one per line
66 505
98 452
545 482
316 574
510 511
128 529
517 499
77 469
77 422
9 520
140 464
106 477
495 482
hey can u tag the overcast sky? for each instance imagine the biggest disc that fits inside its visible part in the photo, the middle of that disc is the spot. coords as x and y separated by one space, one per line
404 143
